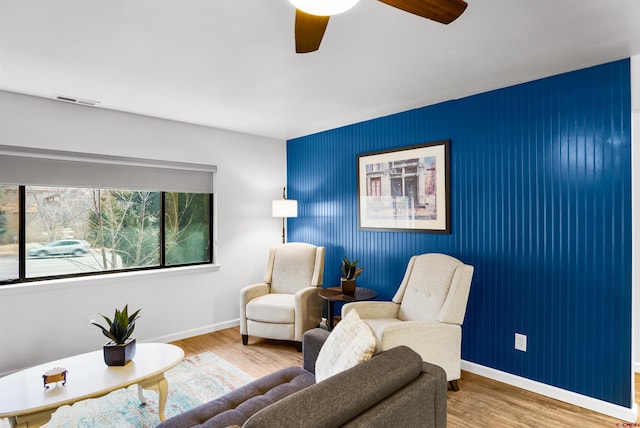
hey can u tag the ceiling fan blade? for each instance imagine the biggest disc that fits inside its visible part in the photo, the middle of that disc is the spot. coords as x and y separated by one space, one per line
309 31
443 11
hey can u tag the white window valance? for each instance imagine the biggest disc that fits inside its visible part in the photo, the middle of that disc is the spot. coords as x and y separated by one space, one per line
42 167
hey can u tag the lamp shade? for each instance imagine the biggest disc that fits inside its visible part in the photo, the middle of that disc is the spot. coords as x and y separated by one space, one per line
324 7
284 208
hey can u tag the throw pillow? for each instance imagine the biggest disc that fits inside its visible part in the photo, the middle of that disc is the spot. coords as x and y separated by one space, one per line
351 342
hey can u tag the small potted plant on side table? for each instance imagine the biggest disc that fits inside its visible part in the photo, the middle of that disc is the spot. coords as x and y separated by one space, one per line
122 347
350 271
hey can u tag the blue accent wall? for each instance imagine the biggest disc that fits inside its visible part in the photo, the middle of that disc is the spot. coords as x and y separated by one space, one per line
540 206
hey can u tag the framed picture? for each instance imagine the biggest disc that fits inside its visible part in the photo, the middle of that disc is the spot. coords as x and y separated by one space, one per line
405 189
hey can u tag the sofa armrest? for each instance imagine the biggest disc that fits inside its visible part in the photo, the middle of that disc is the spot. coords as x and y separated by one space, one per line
312 342
440 396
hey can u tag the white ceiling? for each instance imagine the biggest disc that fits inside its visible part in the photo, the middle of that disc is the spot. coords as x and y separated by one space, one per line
231 64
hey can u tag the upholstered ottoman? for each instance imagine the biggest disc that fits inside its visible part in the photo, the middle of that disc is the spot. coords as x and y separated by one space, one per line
240 404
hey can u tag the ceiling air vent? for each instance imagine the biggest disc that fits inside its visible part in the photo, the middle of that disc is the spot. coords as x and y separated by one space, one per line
74 100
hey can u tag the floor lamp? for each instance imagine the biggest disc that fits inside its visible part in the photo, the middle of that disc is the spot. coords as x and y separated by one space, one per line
284 208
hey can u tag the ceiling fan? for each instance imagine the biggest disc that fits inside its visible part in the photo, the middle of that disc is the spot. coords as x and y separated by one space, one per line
312 19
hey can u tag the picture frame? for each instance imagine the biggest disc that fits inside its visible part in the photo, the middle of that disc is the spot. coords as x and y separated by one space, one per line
405 189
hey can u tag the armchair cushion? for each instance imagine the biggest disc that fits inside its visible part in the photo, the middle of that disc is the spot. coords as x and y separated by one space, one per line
350 343
426 287
378 326
273 308
294 266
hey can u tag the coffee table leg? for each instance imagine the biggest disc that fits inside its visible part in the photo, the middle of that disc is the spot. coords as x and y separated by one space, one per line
141 397
161 384
163 389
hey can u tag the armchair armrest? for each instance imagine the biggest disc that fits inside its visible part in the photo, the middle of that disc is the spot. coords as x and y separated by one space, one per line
306 294
436 342
419 333
247 294
312 342
308 311
250 292
372 310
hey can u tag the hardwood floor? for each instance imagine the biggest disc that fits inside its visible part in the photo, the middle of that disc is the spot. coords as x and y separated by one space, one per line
261 357
481 402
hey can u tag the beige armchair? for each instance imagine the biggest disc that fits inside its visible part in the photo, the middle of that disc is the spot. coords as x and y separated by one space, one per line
427 312
286 303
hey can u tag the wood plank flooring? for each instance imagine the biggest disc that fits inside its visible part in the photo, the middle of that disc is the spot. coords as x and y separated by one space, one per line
481 402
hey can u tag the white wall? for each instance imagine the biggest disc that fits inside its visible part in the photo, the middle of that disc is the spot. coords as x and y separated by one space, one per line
47 320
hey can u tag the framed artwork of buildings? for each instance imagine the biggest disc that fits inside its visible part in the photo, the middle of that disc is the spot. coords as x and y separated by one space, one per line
405 189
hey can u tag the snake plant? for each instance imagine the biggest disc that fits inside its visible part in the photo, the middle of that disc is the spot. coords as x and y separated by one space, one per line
350 269
122 326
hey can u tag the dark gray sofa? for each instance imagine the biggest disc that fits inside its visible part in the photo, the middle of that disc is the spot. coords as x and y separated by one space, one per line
393 389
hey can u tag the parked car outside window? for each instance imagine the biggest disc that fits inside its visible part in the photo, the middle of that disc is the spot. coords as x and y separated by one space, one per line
64 247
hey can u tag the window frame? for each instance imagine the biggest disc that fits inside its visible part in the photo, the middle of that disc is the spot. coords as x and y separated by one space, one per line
199 175
22 247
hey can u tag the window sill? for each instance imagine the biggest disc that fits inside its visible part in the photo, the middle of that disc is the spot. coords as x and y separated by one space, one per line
98 280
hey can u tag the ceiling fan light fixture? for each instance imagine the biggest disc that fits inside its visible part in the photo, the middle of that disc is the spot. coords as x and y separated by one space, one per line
323 7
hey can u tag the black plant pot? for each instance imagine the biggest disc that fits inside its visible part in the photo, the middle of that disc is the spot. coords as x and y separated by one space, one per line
348 286
119 355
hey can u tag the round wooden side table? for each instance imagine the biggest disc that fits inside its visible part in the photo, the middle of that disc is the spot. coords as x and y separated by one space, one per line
334 294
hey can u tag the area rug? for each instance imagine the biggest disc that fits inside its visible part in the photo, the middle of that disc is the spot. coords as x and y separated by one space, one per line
196 380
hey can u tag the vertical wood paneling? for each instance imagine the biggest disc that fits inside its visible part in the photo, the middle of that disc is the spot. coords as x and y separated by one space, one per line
540 205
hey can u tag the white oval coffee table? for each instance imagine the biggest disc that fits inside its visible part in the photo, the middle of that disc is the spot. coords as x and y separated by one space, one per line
27 403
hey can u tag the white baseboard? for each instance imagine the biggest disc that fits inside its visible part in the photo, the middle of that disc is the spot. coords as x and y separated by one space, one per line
636 367
195 332
580 400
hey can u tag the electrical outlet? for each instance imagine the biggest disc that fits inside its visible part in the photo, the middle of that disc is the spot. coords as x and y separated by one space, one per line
89 320
521 342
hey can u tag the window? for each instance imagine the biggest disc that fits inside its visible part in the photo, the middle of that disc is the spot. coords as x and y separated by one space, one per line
186 228
9 220
57 230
